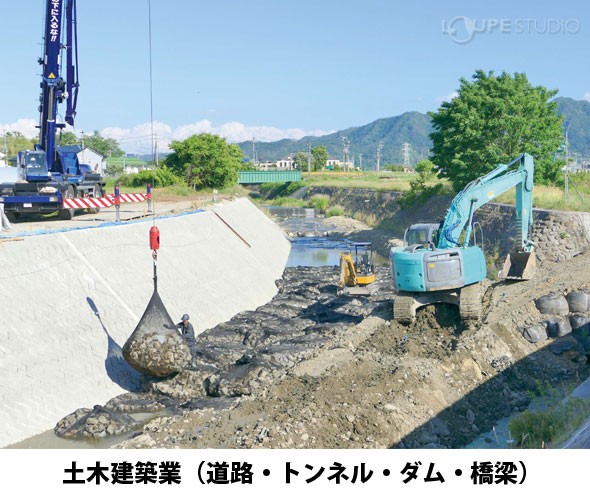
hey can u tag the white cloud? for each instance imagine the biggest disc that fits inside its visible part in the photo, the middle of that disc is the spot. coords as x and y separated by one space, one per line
448 98
238 132
586 96
25 126
137 139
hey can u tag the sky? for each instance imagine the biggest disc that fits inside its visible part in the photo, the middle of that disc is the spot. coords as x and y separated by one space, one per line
273 69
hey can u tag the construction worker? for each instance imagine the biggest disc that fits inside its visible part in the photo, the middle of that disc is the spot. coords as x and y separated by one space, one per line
188 334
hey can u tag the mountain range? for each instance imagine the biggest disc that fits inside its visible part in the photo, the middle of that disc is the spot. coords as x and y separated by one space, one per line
412 128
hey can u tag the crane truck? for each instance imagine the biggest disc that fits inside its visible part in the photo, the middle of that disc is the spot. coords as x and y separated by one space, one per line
50 174
444 263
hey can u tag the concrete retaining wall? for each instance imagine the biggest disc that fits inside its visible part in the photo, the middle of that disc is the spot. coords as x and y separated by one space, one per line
70 300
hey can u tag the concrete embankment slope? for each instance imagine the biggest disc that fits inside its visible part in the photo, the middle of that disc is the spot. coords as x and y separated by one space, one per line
69 301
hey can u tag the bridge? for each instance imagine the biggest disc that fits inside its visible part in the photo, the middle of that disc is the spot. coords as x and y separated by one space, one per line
268 176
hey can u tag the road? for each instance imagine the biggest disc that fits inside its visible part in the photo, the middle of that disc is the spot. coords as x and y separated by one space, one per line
33 224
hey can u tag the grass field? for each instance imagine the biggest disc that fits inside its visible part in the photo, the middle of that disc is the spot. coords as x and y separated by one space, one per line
548 197
553 198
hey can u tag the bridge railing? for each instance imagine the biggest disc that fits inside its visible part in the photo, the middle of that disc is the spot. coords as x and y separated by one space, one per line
268 176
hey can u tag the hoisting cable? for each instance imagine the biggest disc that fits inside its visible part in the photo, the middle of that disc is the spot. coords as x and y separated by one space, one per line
154 231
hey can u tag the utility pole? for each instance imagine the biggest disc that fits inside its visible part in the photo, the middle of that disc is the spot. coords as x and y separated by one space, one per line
361 161
379 148
345 151
567 168
254 151
309 159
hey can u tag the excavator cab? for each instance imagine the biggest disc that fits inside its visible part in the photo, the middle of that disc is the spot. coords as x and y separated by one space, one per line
357 269
421 234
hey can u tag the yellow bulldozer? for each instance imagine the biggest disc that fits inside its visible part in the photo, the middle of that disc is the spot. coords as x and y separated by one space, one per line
357 270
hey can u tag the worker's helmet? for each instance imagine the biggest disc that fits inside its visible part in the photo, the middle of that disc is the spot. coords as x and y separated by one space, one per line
185 317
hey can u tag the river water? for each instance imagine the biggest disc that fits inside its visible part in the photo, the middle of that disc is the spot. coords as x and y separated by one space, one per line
311 244
309 234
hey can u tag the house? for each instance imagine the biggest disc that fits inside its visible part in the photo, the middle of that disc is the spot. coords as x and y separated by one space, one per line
283 164
93 159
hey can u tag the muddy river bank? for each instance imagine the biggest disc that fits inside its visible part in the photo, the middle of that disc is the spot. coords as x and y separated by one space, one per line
242 356
315 369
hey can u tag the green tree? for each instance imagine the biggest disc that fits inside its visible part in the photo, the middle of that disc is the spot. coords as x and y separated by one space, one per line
15 142
114 168
493 120
319 157
425 170
106 147
205 161
300 159
67 139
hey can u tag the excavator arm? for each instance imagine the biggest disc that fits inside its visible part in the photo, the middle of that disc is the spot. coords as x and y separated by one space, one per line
484 189
347 271
54 89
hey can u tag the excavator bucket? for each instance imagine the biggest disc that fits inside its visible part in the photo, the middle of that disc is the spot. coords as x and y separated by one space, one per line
519 266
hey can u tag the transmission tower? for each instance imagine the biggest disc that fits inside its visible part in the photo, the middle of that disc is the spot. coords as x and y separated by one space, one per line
406 152
379 148
345 151
254 151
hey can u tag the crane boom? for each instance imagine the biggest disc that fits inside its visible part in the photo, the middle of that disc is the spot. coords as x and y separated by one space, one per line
53 87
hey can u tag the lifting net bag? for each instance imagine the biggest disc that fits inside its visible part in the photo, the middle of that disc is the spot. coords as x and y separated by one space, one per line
156 347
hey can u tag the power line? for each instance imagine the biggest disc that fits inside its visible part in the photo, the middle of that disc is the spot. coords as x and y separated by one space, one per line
345 151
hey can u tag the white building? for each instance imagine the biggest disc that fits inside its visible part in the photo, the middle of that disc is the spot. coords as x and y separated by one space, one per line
92 158
2 160
284 164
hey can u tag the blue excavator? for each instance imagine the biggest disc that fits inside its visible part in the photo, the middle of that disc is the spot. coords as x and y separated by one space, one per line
48 174
444 263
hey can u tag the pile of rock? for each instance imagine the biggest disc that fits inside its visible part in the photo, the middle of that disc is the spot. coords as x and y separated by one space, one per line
156 347
94 423
566 318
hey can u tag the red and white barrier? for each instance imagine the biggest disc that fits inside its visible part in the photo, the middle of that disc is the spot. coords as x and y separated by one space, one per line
104 202
130 197
87 202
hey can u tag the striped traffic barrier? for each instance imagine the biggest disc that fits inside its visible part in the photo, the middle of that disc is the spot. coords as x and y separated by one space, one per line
104 202
87 203
108 200
129 197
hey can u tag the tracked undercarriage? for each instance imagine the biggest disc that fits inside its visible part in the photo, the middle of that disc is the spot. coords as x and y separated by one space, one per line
468 299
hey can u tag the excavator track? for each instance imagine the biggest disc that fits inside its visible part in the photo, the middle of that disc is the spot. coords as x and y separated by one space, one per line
404 308
470 305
